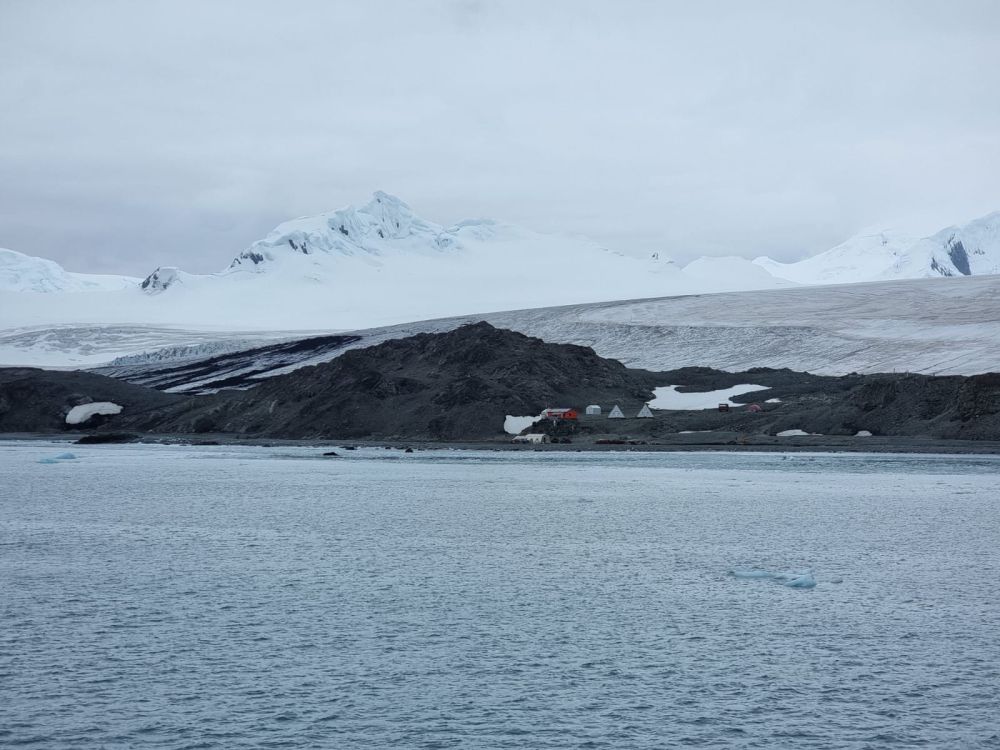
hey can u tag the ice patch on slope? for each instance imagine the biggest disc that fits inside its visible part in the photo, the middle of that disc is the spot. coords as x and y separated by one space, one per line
84 412
667 397
516 425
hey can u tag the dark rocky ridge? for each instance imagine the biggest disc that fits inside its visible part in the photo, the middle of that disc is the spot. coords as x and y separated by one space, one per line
459 385
33 400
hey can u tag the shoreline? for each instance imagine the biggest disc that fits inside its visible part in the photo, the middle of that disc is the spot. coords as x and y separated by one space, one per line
720 443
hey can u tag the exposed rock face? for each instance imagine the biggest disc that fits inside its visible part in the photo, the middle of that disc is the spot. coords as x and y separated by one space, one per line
460 385
33 400
455 385
161 279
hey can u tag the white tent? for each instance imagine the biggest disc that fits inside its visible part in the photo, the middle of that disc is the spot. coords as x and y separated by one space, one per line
593 409
644 412
616 413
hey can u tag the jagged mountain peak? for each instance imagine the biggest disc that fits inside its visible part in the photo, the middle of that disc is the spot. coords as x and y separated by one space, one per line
384 224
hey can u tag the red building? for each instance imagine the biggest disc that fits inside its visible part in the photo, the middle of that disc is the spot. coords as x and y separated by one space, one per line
560 414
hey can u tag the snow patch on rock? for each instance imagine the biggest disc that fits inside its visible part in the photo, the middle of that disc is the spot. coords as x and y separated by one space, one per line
516 425
84 412
667 397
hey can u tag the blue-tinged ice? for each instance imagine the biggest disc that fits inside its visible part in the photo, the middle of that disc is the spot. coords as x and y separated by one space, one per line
803 580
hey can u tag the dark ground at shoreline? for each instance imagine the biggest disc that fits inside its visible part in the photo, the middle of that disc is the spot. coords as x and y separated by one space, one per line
723 442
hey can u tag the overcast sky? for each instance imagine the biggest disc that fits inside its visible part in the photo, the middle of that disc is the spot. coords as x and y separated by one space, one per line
135 134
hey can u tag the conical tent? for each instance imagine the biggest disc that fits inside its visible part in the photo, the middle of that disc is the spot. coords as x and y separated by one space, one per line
644 412
616 413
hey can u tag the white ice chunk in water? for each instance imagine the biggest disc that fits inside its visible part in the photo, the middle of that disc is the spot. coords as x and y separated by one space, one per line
83 412
803 580
862 433
792 433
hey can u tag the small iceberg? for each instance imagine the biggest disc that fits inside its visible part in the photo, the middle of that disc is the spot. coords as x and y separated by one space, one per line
803 580
58 459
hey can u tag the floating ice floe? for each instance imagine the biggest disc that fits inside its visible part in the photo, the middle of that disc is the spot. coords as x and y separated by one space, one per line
804 580
58 459
793 433
862 433
83 412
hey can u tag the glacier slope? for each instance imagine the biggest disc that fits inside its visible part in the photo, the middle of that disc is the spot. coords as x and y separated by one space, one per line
933 326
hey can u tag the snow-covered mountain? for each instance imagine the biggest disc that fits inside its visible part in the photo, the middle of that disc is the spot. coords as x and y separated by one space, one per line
382 264
26 273
384 257
972 249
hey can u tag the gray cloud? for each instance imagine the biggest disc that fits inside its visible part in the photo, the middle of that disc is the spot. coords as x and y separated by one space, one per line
135 134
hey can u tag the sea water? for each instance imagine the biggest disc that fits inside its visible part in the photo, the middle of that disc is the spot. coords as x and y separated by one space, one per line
220 597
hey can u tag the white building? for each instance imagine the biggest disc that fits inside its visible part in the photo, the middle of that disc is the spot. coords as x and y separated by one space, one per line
532 437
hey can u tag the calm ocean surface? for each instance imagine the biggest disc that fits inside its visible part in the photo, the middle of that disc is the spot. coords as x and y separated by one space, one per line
220 597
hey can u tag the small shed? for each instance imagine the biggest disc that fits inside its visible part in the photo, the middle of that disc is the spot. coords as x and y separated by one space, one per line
593 410
644 412
724 406
532 437
616 413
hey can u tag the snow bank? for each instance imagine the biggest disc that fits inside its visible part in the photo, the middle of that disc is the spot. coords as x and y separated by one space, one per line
80 414
516 425
667 397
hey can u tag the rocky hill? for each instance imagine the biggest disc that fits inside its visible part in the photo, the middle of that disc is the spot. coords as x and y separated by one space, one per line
33 400
458 385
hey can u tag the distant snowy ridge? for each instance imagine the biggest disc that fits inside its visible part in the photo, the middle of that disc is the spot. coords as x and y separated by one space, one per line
381 264
26 273
972 249
384 243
